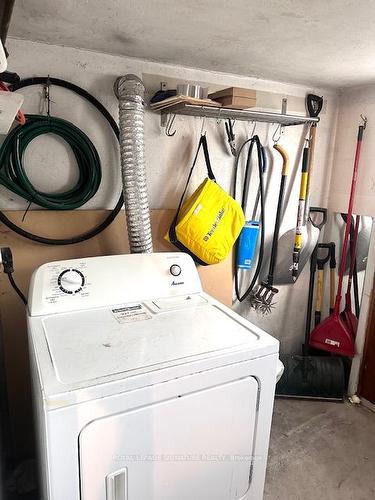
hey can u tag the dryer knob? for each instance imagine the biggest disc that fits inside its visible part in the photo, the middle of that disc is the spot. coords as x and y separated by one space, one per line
175 270
71 281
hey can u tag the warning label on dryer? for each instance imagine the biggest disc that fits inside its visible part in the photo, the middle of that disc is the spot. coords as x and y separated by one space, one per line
127 314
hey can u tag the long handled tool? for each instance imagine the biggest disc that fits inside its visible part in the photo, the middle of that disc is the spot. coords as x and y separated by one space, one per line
287 271
262 298
332 281
314 104
312 376
333 334
301 212
347 315
321 262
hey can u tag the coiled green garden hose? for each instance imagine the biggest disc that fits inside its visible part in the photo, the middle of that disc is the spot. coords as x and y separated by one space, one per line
14 177
47 80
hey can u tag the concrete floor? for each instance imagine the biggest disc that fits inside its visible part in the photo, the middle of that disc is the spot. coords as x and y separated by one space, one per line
323 451
318 451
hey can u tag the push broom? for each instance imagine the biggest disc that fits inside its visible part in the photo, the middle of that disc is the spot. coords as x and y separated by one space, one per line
334 334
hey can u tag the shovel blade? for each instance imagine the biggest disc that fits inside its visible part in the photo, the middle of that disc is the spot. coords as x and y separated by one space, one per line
333 335
312 377
284 262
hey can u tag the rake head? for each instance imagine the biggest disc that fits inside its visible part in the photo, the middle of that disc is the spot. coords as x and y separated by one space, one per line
262 298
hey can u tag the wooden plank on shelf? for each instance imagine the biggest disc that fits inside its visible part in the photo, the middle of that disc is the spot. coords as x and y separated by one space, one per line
28 255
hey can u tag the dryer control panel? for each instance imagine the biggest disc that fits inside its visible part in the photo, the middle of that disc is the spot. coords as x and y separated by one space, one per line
100 281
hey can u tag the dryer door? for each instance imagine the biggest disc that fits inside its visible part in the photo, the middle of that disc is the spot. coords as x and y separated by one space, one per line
198 446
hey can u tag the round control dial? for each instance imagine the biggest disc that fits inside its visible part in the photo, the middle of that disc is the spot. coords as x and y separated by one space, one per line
175 270
71 281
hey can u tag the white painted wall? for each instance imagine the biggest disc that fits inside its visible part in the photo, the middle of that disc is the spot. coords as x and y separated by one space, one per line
354 102
168 159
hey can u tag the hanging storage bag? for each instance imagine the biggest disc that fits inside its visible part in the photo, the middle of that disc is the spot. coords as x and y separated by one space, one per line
208 223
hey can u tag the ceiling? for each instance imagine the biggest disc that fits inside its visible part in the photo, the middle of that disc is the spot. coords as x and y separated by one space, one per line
321 43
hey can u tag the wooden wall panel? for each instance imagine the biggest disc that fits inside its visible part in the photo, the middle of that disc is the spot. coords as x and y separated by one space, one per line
216 280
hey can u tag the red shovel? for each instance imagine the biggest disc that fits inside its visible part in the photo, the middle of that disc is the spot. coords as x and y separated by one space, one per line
334 334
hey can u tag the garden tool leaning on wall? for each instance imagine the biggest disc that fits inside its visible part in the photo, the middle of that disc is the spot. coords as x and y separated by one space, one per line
319 294
300 212
262 298
334 334
297 244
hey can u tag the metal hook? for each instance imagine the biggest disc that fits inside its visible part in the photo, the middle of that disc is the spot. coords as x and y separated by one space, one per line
218 119
202 127
253 131
168 126
279 130
364 119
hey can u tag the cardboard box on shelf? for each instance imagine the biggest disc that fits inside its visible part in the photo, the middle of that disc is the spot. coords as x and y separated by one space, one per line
235 97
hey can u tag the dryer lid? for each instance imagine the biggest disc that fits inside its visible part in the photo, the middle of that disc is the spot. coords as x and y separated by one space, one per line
136 338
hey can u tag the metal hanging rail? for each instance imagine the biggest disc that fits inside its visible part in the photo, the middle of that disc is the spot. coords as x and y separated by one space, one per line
219 113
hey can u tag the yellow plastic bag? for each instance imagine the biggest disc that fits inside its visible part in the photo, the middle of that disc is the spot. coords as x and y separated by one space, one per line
208 223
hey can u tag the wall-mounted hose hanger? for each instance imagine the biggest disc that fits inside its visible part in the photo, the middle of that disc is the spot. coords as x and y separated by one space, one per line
130 91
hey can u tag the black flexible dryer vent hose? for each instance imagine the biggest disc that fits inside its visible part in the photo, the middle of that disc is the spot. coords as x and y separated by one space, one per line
81 193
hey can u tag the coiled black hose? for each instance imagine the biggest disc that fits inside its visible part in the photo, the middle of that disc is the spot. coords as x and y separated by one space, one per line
260 157
12 171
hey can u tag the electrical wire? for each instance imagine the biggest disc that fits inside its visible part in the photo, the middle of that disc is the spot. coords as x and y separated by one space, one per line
18 291
17 162
260 157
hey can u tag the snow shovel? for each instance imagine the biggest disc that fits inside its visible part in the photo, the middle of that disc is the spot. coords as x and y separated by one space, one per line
333 334
310 237
312 376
